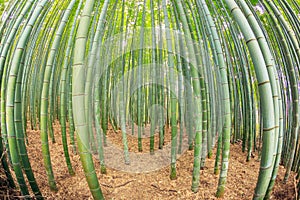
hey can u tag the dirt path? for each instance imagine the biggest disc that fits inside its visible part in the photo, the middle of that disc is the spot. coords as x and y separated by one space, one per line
116 184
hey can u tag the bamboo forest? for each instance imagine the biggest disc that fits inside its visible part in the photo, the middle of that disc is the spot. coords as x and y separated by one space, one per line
150 99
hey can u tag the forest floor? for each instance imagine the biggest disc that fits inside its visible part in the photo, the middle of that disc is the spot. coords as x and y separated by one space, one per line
155 184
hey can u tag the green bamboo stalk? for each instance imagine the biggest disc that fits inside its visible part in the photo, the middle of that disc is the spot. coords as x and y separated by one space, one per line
153 71
3 70
68 62
63 97
161 95
11 91
196 88
294 86
11 8
140 80
99 132
122 108
270 64
105 80
20 136
78 101
44 103
226 101
267 104
172 90
180 85
201 70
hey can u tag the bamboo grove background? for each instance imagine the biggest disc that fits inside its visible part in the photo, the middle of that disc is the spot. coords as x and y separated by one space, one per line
213 72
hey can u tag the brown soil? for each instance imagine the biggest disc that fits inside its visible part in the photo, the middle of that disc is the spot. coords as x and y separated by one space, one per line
5 191
118 184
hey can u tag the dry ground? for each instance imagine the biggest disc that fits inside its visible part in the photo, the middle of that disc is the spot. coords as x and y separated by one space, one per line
116 184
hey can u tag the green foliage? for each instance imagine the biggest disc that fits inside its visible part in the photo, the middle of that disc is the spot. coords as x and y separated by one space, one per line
1 7
254 2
